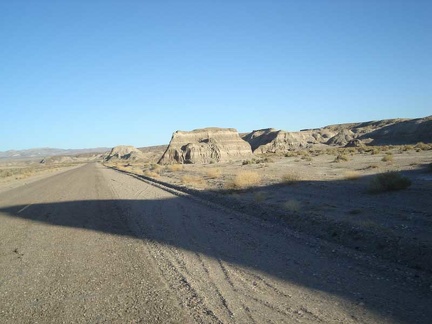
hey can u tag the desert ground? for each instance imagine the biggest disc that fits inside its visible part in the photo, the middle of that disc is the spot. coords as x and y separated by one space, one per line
304 237
326 192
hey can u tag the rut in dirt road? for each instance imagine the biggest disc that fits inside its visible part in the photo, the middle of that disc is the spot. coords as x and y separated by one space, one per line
93 244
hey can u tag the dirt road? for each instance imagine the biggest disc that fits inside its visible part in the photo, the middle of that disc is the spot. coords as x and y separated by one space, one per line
95 245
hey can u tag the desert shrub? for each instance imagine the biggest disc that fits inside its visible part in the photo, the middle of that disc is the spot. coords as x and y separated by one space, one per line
375 151
407 148
245 179
213 173
420 146
292 205
192 180
290 178
155 167
352 175
388 181
260 196
341 158
388 157
151 174
331 151
307 158
175 167
258 161
290 154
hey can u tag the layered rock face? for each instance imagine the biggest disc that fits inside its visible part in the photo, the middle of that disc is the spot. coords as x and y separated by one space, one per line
382 132
404 132
206 145
342 138
125 152
271 140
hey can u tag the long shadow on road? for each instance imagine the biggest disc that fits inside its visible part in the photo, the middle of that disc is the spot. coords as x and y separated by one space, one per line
184 224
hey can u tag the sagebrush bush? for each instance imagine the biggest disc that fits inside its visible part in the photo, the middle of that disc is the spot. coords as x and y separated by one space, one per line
245 179
290 178
213 173
388 181
292 205
387 158
420 146
175 167
341 158
193 180
151 174
352 175
260 196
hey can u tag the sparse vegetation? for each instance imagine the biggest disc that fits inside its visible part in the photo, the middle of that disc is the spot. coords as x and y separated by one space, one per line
151 174
388 157
290 178
213 173
174 167
244 180
388 181
193 180
155 167
352 175
292 205
341 158
260 196
258 161
420 146
375 151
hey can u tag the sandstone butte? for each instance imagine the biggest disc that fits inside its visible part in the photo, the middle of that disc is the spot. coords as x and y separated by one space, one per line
207 145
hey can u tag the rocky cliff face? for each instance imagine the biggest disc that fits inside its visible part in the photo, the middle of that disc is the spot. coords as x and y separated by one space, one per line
277 141
404 132
382 132
124 152
206 145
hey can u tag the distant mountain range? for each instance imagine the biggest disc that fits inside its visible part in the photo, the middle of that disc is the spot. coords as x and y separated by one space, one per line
46 152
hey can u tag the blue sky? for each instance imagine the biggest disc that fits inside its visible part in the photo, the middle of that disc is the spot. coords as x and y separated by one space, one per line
81 74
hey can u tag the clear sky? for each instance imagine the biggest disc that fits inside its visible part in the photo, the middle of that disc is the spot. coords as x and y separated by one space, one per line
81 74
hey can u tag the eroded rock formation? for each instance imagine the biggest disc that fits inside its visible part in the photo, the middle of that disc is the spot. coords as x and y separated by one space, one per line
206 145
382 132
125 152
271 140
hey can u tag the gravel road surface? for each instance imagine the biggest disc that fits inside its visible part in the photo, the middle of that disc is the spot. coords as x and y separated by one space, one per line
93 245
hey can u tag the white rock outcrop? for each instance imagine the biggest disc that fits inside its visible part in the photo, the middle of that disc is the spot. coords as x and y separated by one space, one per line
125 152
207 145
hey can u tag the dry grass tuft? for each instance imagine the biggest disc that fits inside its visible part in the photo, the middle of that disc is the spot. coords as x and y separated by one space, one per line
151 174
388 181
341 158
191 180
352 175
260 196
290 178
155 167
387 158
245 179
292 205
175 167
213 173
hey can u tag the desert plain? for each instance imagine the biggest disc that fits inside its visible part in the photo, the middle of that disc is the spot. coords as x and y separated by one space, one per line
305 234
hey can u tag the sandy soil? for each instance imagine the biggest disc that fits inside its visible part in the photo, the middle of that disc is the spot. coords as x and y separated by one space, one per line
95 245
312 193
11 182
